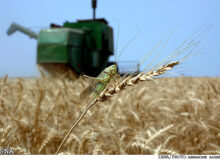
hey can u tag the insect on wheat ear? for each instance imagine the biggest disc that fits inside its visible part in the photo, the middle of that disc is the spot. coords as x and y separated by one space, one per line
100 82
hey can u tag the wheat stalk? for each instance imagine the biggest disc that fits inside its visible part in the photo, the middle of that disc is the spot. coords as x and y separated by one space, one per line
76 123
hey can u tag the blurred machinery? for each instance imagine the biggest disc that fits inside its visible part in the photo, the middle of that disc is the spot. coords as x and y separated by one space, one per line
83 46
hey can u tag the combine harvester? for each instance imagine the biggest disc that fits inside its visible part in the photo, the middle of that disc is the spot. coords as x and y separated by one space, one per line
83 46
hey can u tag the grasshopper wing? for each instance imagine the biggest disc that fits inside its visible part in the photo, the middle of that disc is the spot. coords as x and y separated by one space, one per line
87 91
91 88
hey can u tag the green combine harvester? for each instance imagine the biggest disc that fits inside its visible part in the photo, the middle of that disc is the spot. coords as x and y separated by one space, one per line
83 46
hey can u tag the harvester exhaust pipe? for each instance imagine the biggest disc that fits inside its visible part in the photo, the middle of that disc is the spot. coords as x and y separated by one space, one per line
94 5
16 27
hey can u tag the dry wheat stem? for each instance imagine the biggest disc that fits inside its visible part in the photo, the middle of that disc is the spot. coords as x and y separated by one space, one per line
126 82
75 124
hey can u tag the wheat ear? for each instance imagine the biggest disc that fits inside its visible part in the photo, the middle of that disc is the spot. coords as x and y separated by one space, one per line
126 82
134 80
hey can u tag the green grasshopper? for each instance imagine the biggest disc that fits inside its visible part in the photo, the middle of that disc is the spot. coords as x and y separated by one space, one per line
99 83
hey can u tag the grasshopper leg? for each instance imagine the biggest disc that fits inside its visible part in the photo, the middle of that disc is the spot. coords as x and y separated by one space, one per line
93 78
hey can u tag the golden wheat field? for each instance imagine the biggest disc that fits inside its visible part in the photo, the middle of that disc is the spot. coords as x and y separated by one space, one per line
164 116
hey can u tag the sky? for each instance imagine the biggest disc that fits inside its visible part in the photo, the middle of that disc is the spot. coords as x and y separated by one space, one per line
153 19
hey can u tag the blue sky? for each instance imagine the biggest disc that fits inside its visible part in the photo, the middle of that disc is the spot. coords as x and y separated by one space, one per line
155 18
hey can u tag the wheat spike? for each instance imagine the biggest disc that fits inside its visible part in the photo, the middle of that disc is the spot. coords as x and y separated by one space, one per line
5 136
139 78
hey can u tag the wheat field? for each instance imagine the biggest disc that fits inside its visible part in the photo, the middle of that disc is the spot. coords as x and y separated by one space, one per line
163 116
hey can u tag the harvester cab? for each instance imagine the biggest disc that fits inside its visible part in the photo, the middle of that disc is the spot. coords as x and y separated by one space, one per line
84 46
